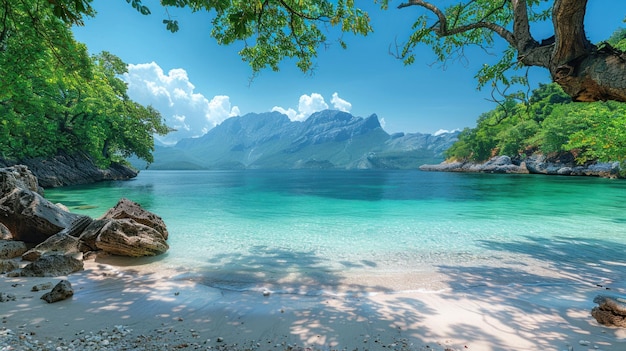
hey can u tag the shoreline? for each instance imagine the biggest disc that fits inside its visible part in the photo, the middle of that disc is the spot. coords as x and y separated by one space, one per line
134 309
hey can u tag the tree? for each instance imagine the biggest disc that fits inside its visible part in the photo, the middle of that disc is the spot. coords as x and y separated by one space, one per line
55 97
276 29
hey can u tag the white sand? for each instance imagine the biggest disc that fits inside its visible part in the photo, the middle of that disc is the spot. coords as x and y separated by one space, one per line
183 314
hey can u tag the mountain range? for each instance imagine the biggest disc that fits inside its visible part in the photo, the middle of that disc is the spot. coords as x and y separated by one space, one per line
327 139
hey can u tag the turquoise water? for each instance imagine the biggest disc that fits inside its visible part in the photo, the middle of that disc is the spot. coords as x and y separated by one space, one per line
312 231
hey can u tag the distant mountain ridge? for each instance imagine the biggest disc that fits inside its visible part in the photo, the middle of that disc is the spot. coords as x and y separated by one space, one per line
327 139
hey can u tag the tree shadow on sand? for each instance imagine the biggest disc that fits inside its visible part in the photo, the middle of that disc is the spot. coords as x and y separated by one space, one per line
544 291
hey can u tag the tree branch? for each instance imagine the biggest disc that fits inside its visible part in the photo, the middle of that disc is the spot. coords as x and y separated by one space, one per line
570 39
444 31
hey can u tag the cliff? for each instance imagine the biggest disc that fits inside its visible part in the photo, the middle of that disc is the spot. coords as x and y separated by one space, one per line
71 169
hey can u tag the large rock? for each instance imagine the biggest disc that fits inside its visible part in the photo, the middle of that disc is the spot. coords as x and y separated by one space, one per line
18 176
51 266
126 237
60 243
132 210
70 169
5 234
32 218
8 266
611 310
11 249
61 291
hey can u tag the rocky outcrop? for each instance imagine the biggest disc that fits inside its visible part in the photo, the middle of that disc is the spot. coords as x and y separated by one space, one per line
31 218
126 209
498 164
126 237
26 216
8 266
611 311
11 249
536 164
70 169
63 290
51 266
60 243
18 176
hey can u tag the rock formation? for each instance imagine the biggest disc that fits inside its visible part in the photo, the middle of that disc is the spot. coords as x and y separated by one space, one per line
59 243
536 164
126 237
126 209
71 169
11 249
50 266
611 310
61 291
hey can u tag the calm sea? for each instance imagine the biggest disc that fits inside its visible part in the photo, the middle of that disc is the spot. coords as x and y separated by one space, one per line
313 232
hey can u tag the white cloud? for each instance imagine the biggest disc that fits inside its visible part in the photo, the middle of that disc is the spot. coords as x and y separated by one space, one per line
340 104
172 94
309 104
445 131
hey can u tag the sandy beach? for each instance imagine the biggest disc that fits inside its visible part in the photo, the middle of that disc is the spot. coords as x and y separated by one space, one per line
120 308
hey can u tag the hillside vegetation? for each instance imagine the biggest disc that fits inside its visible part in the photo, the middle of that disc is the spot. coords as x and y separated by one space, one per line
54 97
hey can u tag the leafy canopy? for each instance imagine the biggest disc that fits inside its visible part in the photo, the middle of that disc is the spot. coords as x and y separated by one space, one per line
56 97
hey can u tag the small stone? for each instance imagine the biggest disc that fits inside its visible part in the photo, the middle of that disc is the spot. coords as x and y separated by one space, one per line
220 339
40 287
584 343
266 293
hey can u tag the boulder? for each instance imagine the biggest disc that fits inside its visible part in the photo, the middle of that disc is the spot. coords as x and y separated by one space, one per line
132 210
60 243
126 237
18 176
611 310
5 234
11 249
89 236
8 266
51 266
61 291
33 219
5 297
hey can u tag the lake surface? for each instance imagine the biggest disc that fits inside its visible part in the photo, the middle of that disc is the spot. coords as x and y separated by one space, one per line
330 232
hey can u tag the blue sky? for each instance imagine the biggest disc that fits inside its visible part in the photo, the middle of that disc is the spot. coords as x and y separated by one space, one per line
196 83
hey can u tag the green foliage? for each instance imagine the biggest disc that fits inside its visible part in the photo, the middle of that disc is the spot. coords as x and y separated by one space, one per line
550 125
55 97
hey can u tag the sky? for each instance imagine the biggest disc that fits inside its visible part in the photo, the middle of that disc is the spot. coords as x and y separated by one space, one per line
196 84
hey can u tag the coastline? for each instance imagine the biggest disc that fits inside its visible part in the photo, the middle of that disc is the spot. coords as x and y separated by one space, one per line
132 308
535 164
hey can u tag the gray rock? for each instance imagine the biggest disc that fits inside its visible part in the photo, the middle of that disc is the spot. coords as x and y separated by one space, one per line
5 297
611 310
89 236
57 244
11 248
5 234
32 218
126 237
70 169
51 266
18 176
42 286
132 210
8 266
61 291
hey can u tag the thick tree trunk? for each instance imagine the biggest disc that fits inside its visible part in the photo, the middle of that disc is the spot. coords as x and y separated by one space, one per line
598 76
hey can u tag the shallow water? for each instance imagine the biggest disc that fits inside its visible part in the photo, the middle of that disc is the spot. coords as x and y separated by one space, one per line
312 232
